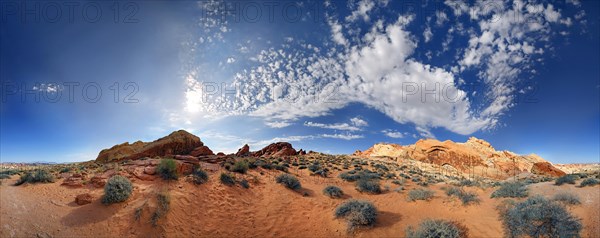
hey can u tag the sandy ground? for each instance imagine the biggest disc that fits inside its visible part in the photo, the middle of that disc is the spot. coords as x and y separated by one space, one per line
267 209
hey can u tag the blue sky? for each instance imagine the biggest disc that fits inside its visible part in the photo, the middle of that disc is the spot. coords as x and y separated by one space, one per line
326 76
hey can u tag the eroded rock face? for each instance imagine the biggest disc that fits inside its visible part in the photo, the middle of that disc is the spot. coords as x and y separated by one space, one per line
547 169
177 143
244 151
474 156
201 151
276 149
74 182
83 199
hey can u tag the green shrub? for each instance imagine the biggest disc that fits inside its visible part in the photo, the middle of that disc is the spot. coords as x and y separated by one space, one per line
333 191
65 170
117 189
36 176
570 179
368 186
4 176
420 194
357 213
589 182
567 198
513 190
240 166
398 182
167 169
199 176
244 183
437 228
227 179
539 217
164 201
289 181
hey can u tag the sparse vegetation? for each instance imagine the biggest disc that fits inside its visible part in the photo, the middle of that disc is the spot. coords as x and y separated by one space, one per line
567 198
437 228
164 202
513 190
289 181
333 191
36 176
420 194
199 176
244 183
589 182
465 197
227 179
368 186
240 166
138 211
539 217
117 189
167 169
357 213
570 179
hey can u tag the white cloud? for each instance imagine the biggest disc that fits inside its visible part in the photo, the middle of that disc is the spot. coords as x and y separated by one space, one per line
230 60
358 122
342 136
392 133
361 11
277 124
337 34
427 34
336 126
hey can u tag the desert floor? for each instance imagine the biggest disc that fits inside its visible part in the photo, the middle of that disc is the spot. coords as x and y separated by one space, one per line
266 209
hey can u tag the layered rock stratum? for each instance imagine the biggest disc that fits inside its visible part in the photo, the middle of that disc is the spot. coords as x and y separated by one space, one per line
475 156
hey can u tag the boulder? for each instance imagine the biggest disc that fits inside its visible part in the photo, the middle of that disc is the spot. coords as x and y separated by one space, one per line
244 151
98 181
201 151
546 169
150 170
301 152
73 182
177 143
83 199
276 149
220 154
184 168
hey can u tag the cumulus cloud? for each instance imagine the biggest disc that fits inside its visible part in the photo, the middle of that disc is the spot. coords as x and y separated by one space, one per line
393 133
379 69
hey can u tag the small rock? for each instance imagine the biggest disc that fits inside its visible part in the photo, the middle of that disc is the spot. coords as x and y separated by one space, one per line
83 199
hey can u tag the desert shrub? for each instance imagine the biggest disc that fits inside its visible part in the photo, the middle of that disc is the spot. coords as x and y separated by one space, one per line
321 172
36 176
117 189
244 183
240 166
346 176
314 167
167 169
4 176
398 182
437 228
289 181
333 191
64 170
589 182
570 179
368 186
199 176
164 201
540 217
302 167
465 197
513 190
399 189
420 194
357 213
567 198
227 179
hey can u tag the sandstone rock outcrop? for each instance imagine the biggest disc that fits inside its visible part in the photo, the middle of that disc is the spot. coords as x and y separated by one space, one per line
547 169
201 151
177 143
244 151
476 156
276 150
83 199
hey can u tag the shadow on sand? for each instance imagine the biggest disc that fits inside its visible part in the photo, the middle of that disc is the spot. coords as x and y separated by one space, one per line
91 213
